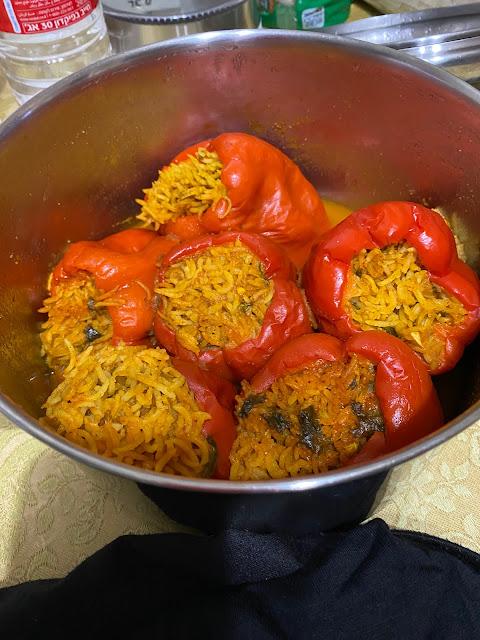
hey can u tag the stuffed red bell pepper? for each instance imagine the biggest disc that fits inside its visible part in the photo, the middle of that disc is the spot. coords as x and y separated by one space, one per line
228 302
236 182
101 291
320 403
138 406
394 266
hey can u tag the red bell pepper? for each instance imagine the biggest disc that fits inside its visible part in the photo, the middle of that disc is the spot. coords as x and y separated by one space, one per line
267 194
286 317
125 262
387 223
406 395
215 396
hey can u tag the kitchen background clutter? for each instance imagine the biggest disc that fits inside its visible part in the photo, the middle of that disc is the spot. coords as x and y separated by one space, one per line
399 6
42 42
303 14
447 37
134 23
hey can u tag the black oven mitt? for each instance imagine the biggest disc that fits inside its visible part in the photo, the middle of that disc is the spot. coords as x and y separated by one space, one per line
367 583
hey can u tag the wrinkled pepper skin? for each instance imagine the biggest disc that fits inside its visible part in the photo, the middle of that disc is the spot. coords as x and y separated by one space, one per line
125 262
407 398
325 274
268 193
215 396
286 317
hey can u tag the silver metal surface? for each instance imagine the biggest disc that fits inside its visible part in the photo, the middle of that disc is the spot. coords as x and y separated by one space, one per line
364 122
168 11
134 23
447 37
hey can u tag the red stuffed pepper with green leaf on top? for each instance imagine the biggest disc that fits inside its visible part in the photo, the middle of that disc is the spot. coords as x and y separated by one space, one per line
394 266
320 403
236 182
227 302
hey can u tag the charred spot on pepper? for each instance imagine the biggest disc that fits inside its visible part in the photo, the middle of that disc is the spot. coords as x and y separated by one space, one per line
357 408
368 426
311 435
91 333
250 401
391 331
212 458
245 307
369 421
261 268
276 420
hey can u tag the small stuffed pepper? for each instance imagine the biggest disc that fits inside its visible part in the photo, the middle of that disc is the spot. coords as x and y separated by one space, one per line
139 406
394 266
228 302
236 182
319 404
102 291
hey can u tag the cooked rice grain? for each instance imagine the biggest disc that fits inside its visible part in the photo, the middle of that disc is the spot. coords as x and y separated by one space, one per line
217 298
129 403
187 187
309 421
387 289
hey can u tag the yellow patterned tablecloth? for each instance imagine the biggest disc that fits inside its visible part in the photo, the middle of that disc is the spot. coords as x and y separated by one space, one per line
55 512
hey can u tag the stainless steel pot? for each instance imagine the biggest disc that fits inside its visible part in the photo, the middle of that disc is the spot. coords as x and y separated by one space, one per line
134 23
365 123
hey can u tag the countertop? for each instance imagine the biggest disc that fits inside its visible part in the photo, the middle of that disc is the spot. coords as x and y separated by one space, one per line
55 512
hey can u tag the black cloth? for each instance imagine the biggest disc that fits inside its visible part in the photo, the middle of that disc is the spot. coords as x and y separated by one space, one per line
367 583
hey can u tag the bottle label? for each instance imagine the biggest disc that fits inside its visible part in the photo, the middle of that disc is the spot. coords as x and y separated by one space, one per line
313 18
41 16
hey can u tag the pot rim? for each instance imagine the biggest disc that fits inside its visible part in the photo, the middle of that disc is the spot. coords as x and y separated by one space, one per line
158 51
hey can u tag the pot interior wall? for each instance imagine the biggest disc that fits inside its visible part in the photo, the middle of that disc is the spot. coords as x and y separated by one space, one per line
363 127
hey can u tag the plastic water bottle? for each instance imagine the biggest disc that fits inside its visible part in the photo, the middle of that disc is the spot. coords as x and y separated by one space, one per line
42 41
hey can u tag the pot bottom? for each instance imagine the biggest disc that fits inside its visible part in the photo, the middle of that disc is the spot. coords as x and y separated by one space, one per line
294 513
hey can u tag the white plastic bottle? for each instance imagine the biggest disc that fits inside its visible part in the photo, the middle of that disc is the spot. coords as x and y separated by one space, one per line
42 41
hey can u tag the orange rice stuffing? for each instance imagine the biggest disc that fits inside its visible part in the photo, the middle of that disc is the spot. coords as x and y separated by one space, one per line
387 289
308 421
